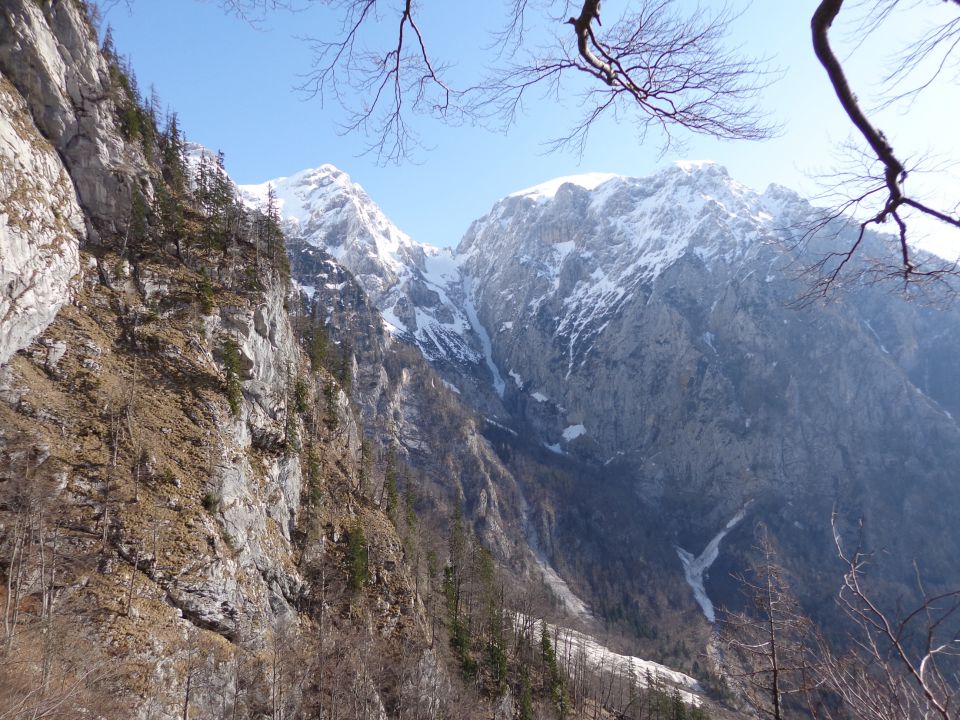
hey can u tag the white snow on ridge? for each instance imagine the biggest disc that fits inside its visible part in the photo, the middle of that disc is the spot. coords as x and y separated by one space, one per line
498 383
585 263
328 210
691 165
548 190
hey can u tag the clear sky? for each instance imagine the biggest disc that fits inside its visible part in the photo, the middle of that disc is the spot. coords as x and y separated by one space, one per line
233 85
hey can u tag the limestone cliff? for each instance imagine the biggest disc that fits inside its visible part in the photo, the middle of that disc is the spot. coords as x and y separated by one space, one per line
40 227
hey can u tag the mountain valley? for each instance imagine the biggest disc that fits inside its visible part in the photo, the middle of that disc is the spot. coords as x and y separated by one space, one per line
264 455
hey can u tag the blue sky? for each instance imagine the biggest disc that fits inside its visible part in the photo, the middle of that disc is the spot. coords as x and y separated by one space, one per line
233 86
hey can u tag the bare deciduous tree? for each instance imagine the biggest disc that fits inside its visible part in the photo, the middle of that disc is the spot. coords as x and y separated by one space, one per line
767 647
901 664
657 66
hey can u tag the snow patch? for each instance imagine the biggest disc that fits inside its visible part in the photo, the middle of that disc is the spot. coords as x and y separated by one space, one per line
691 165
498 384
572 432
573 647
695 568
501 426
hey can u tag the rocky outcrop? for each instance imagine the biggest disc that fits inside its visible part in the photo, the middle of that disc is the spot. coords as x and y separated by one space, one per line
40 227
50 53
165 422
407 281
406 404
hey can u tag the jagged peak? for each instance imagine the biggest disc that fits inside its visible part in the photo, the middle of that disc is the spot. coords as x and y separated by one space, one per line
692 166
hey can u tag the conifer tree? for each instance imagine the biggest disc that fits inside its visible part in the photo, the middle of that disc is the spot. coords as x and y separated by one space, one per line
390 484
173 164
109 48
554 684
358 564
318 346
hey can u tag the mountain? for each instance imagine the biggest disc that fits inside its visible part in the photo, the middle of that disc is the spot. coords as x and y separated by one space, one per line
653 385
221 497
407 281
332 471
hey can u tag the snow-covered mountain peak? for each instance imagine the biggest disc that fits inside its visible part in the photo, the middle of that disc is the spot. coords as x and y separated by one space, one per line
412 284
574 248
690 166
327 209
575 258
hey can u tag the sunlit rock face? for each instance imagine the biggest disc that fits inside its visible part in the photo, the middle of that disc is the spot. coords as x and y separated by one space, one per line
40 227
650 331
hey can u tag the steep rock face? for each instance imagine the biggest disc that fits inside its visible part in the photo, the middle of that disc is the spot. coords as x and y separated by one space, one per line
403 399
40 227
151 421
51 55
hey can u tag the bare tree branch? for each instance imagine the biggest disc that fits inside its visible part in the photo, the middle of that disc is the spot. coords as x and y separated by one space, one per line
896 669
890 179
391 82
661 69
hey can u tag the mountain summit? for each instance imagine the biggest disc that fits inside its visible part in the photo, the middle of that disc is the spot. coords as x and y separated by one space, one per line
408 281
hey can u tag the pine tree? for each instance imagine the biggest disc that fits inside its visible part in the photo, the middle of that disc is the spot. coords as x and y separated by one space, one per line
109 49
460 638
554 683
526 696
390 484
137 227
173 163
357 560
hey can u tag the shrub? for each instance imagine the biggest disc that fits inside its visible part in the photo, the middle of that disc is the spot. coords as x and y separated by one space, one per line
211 502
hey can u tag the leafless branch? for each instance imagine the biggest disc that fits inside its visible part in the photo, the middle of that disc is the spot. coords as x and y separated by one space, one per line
887 179
661 69
391 82
896 668
845 251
